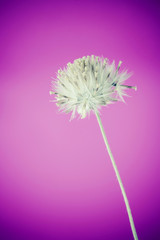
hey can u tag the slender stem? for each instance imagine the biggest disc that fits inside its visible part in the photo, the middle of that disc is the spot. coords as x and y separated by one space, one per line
118 178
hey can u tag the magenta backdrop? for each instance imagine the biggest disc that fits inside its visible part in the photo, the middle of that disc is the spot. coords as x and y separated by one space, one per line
56 178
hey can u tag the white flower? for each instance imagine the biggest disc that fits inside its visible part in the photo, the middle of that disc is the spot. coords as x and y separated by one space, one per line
87 84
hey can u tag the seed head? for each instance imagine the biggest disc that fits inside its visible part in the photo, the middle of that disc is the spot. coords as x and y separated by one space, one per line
87 84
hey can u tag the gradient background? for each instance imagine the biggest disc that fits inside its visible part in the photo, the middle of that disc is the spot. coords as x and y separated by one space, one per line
56 179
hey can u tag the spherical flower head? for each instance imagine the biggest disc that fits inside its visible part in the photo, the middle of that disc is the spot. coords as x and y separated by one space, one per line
87 84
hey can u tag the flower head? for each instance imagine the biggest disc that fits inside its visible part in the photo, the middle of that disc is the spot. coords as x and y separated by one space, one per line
87 84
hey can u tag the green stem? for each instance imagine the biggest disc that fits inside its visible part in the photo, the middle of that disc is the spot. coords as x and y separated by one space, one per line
118 178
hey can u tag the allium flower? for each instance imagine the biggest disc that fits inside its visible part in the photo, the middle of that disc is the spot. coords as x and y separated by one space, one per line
87 84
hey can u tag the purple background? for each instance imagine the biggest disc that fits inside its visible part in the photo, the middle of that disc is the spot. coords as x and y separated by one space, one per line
56 179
